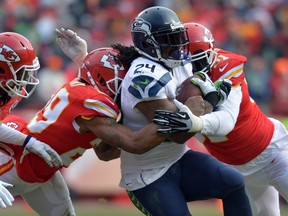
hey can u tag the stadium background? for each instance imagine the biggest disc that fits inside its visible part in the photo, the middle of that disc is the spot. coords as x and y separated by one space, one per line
257 29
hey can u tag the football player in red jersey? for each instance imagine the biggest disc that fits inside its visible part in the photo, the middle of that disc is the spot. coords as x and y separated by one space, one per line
18 70
238 132
81 115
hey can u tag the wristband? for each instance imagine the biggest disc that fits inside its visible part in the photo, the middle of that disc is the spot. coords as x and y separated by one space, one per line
26 140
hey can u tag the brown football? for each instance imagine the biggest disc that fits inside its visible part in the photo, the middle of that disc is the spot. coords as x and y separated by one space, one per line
187 89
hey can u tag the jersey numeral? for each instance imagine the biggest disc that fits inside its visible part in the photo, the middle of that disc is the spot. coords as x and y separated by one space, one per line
51 112
148 66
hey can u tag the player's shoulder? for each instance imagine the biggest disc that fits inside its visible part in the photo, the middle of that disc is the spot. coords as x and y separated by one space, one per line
224 56
228 65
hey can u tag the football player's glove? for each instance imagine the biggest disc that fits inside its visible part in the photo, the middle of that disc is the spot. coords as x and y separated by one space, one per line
43 150
6 198
223 87
207 87
71 44
175 122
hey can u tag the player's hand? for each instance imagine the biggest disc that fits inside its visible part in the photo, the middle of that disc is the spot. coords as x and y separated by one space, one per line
223 87
204 83
71 44
6 197
43 150
176 122
207 88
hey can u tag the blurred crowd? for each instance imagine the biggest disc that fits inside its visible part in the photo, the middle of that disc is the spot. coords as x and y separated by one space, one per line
257 29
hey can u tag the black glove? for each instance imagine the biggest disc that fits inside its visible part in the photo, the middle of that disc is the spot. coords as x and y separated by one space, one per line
174 122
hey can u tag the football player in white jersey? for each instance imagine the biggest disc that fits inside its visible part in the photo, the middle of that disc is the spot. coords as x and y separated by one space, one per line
162 180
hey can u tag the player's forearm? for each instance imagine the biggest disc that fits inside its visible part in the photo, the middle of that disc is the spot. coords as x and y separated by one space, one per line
10 135
223 120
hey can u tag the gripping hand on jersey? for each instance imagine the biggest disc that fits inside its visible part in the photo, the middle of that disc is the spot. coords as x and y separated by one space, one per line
71 44
175 122
6 198
207 88
43 150
223 87
215 93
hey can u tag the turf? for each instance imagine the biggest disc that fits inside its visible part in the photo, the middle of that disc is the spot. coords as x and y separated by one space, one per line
91 208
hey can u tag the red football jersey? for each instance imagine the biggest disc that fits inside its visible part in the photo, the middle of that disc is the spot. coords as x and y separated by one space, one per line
6 109
55 125
253 130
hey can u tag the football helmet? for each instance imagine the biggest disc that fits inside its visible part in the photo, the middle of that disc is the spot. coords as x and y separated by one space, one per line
158 34
18 65
103 71
201 43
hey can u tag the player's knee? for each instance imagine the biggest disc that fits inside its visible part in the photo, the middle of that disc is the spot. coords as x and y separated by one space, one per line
232 177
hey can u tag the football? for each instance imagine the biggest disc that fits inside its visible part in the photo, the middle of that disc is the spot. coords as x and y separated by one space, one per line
187 89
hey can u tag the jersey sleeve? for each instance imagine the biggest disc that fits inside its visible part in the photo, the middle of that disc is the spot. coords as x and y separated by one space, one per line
89 103
147 80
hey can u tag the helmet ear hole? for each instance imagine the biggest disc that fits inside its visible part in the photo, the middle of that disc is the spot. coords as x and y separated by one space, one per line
102 82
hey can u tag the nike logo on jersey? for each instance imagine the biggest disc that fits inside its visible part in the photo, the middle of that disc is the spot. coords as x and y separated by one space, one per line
223 68
144 82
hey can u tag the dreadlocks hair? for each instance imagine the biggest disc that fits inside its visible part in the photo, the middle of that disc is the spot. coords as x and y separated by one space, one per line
127 54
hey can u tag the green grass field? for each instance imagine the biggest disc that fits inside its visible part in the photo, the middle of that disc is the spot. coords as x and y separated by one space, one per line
91 209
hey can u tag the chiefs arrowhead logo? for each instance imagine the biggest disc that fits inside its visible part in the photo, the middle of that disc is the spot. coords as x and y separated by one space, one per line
8 55
109 62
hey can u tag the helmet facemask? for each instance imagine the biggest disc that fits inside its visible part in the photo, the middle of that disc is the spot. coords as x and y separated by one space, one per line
24 80
169 48
114 85
202 60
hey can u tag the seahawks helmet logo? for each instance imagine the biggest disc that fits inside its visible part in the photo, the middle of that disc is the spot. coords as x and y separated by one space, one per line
140 25
8 55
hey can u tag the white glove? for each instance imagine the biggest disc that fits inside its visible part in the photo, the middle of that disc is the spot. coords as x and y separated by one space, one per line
72 45
6 198
205 84
43 150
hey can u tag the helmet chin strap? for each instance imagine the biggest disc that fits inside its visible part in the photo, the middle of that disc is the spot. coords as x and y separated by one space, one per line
116 80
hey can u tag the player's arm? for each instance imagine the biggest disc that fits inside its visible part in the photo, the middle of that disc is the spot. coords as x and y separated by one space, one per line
30 144
106 152
72 45
148 108
217 123
120 136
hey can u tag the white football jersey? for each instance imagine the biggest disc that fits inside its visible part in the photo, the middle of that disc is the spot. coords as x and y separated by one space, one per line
146 80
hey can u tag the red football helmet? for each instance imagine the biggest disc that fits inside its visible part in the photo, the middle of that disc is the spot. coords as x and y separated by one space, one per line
201 44
103 71
18 65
